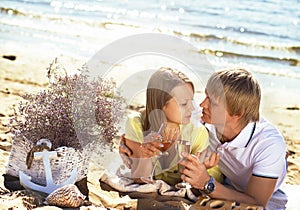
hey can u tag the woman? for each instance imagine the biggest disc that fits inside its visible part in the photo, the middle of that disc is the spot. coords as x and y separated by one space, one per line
169 102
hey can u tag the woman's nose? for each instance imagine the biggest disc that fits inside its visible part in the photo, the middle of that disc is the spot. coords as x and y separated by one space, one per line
192 106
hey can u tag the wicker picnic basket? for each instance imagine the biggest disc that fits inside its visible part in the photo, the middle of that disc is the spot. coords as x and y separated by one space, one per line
67 159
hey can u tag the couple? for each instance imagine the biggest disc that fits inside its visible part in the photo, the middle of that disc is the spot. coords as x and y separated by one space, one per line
250 151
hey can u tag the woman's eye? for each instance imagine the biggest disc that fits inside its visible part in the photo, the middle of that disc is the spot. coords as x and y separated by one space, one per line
184 104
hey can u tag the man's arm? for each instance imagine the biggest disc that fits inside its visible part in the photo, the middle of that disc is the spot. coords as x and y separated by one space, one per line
137 156
258 192
125 152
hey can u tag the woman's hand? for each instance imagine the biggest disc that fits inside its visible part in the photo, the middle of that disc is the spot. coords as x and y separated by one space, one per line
151 145
156 142
212 160
170 133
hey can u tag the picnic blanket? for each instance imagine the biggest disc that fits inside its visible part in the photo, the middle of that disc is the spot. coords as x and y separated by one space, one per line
123 183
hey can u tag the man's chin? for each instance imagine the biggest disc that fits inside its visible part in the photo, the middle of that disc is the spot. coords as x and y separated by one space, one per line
206 119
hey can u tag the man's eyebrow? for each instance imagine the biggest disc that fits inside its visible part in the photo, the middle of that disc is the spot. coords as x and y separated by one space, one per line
212 99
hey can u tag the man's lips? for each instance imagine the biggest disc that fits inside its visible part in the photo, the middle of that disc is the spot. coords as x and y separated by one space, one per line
204 113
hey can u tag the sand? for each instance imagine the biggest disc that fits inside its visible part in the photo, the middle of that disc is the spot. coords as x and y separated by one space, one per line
27 74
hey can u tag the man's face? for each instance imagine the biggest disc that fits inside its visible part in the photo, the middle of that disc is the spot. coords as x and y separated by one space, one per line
213 110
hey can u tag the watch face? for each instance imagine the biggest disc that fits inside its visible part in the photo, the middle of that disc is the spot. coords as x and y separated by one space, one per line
210 187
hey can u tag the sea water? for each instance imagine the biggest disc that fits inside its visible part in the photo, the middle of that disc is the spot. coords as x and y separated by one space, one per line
263 35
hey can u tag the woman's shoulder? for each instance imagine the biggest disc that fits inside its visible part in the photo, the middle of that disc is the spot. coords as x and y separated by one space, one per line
134 118
133 127
134 115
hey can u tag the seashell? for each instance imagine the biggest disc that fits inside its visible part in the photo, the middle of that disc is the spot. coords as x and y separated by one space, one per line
67 196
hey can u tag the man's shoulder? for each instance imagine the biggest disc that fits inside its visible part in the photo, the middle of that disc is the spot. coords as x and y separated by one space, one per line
268 133
266 128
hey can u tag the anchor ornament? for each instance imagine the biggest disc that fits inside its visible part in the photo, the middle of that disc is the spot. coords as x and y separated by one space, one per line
25 180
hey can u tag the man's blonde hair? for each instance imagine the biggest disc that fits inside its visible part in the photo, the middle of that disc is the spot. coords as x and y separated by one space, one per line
240 90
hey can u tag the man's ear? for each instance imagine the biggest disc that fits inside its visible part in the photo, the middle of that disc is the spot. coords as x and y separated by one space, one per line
238 117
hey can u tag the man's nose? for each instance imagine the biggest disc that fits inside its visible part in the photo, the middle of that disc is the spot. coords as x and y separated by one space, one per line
204 103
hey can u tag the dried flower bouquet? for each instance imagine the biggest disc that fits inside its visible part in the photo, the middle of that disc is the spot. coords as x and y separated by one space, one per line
75 112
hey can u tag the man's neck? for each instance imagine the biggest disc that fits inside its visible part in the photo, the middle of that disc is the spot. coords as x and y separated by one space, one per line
229 133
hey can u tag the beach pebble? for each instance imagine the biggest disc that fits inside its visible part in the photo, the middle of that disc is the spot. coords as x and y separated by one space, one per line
293 108
9 57
6 146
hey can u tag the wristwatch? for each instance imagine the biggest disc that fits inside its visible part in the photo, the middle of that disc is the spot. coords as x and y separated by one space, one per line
209 186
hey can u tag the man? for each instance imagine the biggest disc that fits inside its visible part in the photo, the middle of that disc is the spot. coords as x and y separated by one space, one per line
252 151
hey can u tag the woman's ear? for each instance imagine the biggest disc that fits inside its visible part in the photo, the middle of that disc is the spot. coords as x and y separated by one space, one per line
166 106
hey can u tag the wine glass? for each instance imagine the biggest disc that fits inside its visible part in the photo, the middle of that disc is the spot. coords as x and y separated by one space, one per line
164 140
206 153
183 146
168 137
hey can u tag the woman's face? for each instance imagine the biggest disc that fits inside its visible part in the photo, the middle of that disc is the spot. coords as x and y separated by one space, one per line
179 109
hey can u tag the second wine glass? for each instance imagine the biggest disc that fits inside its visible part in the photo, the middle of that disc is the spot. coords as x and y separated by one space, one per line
183 146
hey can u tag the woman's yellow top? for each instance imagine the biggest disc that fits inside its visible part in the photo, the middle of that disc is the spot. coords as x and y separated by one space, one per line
196 133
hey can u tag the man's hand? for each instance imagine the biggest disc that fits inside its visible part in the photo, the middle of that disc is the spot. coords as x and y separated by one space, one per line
193 172
125 152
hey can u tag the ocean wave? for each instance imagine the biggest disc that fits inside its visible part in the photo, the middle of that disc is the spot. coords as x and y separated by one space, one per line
216 38
12 11
220 53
